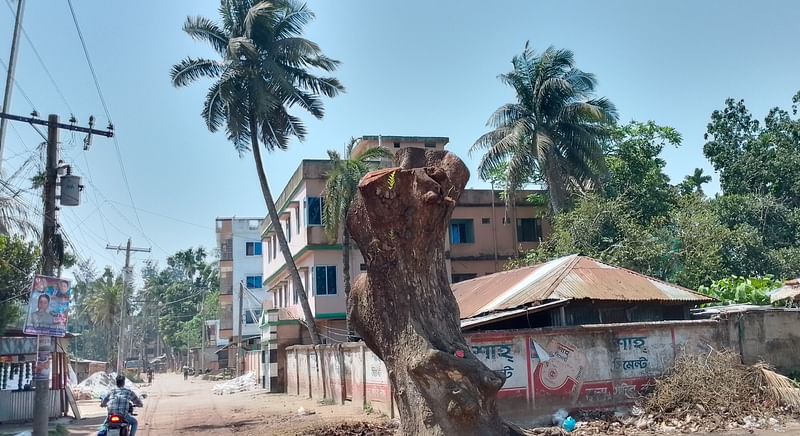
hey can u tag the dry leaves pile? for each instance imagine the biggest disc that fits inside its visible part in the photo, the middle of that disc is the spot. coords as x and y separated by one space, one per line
714 383
702 393
355 429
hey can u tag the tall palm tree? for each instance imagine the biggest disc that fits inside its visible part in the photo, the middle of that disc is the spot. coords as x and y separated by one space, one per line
555 128
263 71
695 181
102 304
340 190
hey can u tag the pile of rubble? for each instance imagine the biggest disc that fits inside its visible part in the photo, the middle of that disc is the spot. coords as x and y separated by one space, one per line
357 428
243 383
98 385
702 393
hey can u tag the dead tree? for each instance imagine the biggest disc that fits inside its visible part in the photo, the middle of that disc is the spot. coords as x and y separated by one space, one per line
403 306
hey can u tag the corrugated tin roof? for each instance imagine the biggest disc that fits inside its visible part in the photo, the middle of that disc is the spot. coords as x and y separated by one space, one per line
570 277
790 291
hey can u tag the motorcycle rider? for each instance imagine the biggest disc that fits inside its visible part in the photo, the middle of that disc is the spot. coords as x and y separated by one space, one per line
118 401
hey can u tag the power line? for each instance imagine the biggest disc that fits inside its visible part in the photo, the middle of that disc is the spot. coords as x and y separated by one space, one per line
89 173
89 60
19 87
41 61
108 115
163 216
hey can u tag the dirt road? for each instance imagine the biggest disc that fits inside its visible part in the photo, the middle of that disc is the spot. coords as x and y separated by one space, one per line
174 406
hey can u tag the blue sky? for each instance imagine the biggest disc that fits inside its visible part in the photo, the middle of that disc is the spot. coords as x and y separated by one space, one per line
411 68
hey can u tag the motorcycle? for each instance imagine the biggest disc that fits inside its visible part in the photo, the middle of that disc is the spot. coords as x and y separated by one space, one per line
116 424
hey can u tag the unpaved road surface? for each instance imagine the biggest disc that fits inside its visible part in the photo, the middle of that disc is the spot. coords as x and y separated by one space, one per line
174 406
177 407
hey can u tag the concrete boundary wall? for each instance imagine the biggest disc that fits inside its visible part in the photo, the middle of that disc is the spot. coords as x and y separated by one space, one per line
585 367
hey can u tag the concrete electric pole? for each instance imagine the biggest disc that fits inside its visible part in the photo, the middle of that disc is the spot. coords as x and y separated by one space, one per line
50 255
126 279
12 65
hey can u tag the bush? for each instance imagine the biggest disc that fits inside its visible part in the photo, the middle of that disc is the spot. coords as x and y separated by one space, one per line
741 290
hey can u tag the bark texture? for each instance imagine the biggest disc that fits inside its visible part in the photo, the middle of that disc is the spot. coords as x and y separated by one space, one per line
403 306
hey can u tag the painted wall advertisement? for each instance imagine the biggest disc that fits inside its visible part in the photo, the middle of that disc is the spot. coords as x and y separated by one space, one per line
503 357
48 307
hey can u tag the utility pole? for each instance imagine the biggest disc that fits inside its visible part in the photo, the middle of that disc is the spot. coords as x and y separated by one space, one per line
41 394
50 263
239 347
126 278
12 65
203 332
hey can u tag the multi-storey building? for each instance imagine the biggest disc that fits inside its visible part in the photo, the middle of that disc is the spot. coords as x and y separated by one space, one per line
480 240
240 278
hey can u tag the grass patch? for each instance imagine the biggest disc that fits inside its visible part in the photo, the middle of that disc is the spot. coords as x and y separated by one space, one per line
327 402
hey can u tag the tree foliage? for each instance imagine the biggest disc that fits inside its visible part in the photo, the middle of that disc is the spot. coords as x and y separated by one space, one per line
636 172
642 222
555 128
753 157
19 261
741 290
173 295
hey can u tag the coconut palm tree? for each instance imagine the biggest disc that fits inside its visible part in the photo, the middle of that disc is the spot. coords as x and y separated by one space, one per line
340 190
264 68
102 305
555 128
695 182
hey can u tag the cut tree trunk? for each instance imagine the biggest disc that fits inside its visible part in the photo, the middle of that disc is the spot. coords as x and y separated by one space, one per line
403 306
297 284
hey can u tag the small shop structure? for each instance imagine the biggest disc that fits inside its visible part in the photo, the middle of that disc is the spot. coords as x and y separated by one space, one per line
17 359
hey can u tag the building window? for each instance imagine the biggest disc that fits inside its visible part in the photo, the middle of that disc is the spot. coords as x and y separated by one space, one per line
274 247
430 145
253 248
529 229
252 316
269 250
254 282
295 296
485 221
315 205
461 277
289 229
461 232
362 267
396 145
325 278
297 221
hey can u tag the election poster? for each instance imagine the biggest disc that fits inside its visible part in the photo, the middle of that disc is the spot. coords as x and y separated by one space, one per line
48 307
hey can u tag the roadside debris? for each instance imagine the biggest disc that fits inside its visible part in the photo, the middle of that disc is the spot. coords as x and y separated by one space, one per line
355 429
242 383
98 385
702 393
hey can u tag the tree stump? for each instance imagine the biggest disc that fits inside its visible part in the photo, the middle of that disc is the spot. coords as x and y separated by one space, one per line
404 308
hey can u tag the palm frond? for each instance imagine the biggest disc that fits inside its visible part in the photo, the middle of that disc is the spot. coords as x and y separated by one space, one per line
203 29
189 70
214 108
294 18
372 154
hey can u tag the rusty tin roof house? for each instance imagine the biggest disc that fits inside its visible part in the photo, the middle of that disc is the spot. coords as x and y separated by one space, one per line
571 290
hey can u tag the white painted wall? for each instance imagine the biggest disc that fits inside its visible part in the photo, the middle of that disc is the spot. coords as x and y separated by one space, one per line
244 266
